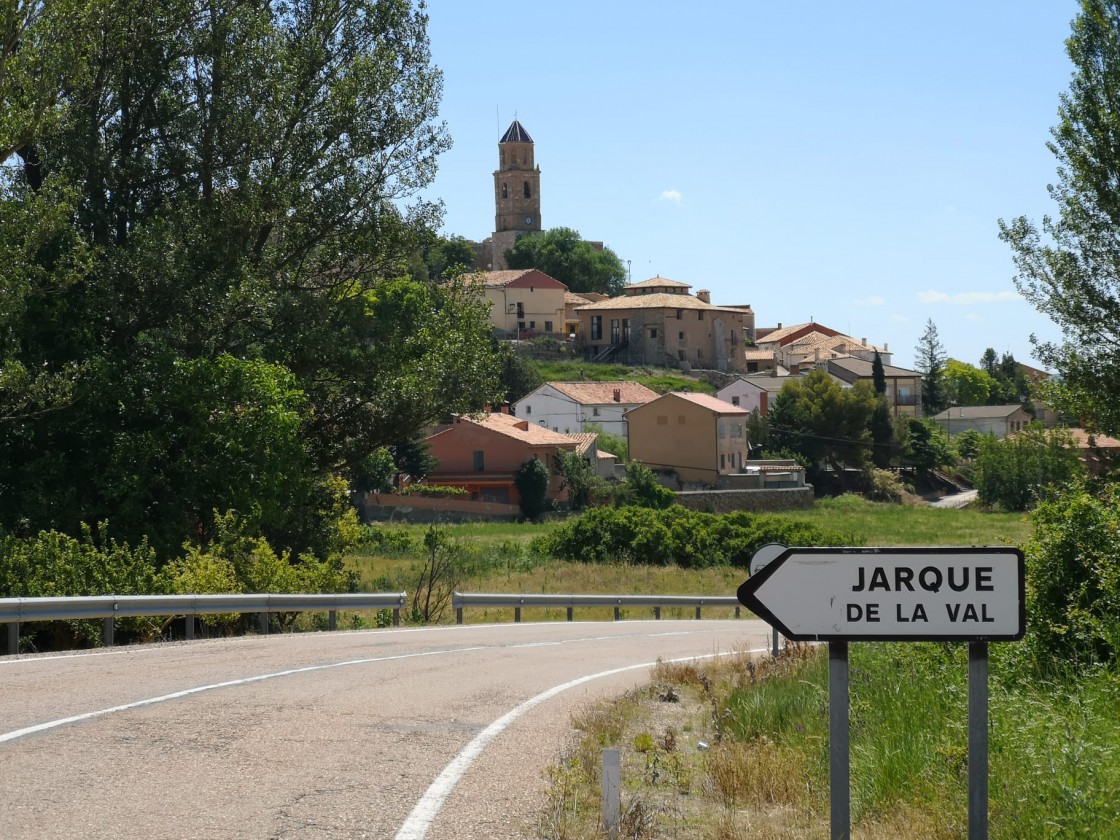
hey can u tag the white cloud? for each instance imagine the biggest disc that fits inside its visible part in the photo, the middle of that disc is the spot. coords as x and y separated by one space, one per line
873 300
672 195
967 298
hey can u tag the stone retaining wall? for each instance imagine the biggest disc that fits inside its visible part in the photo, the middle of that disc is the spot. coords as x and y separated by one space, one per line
755 501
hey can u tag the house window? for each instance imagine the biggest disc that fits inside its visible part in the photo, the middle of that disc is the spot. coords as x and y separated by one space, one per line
653 333
722 430
734 340
532 325
722 461
662 420
701 315
595 411
528 409
596 327
479 461
680 336
680 314
505 192
521 325
699 353
734 400
548 326
680 355
525 189
520 309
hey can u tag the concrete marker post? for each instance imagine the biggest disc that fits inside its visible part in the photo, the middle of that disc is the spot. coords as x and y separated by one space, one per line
611 782
839 758
978 741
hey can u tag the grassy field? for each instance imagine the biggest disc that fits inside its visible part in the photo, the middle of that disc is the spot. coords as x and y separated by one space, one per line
656 379
497 557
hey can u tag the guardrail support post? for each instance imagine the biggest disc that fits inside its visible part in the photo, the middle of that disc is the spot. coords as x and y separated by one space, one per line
332 620
188 627
517 615
13 638
107 630
657 613
697 613
458 615
736 612
262 618
397 617
571 610
617 613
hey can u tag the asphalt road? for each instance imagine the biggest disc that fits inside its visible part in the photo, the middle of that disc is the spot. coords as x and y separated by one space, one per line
405 734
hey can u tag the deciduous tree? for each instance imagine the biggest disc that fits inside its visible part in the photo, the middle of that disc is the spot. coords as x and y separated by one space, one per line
562 254
1069 267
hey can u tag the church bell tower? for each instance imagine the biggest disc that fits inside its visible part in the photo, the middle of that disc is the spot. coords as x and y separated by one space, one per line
517 198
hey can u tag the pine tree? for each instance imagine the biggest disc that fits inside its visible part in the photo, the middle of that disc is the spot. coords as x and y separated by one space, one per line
930 359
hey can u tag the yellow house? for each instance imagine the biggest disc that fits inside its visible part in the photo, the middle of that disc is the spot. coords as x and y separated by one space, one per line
524 302
699 437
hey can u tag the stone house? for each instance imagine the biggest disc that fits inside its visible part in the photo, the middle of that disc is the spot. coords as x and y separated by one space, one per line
658 322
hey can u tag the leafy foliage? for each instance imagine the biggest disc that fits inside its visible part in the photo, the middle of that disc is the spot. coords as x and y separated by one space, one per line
205 301
677 536
1073 575
563 255
643 489
927 448
531 481
1070 267
967 385
1016 472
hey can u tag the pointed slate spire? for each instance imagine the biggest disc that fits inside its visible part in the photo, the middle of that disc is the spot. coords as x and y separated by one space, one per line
516 133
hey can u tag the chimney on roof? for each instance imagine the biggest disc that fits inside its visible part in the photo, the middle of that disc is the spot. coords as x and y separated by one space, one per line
863 341
704 295
884 347
618 395
779 325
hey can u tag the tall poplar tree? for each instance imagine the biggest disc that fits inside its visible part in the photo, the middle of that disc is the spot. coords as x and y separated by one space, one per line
1069 267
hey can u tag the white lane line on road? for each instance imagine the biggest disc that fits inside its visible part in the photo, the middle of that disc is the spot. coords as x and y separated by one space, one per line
163 698
420 820
177 695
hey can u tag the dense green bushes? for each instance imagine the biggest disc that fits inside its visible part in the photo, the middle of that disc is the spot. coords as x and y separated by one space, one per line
677 536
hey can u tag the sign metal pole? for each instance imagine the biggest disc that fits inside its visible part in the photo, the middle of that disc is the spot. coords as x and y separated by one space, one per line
838 746
978 741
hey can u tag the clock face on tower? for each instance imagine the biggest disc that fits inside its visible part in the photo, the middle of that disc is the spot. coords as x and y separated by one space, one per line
528 220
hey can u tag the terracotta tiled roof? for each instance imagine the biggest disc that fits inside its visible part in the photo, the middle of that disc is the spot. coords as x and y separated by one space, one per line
1081 440
710 402
586 440
656 301
573 299
500 278
778 335
659 282
759 355
602 393
522 430
977 412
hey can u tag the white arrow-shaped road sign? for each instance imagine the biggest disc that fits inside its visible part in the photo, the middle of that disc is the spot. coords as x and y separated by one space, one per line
891 594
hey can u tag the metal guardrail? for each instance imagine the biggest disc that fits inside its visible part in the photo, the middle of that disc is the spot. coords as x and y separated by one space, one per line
462 600
14 611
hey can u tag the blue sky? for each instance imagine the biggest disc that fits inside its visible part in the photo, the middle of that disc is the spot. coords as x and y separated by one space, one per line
841 162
